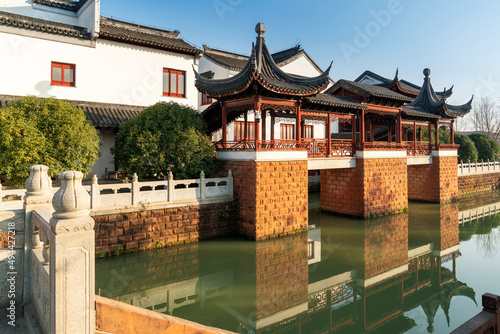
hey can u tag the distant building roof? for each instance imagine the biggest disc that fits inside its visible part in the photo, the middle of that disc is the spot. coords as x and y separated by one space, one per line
428 104
45 26
262 69
377 91
235 61
136 34
400 86
101 115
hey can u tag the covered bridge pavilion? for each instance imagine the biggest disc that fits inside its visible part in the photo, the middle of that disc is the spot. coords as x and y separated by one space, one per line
366 171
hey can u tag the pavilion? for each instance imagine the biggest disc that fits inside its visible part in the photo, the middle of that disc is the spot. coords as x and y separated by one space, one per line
367 168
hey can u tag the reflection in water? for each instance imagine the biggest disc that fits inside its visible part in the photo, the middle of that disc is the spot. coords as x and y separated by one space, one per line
393 274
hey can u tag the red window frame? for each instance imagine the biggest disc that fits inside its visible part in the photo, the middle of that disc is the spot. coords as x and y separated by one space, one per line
239 130
205 99
308 131
287 131
177 73
64 67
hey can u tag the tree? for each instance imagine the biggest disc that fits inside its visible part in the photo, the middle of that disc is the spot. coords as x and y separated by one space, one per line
485 118
45 131
467 150
487 149
163 136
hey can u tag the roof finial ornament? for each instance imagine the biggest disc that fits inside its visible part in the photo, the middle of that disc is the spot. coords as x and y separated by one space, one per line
260 29
396 77
427 72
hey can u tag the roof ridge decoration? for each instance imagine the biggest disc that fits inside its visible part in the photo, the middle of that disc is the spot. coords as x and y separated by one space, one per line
428 102
262 68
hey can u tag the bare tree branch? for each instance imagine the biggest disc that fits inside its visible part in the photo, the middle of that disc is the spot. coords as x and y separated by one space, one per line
485 118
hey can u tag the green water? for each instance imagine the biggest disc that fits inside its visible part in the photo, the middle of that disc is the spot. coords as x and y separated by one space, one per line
420 272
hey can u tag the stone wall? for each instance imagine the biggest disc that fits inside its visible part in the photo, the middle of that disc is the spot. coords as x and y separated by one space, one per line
437 182
270 196
281 274
158 228
373 187
472 200
470 183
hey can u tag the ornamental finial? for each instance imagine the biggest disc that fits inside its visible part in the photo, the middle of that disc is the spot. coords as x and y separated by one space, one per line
260 29
427 72
71 200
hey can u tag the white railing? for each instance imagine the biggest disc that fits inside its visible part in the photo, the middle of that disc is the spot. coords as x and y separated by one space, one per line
170 191
476 213
483 167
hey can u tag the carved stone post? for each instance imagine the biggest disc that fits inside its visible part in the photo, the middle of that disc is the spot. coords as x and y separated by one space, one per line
202 185
72 266
38 197
135 190
94 192
170 186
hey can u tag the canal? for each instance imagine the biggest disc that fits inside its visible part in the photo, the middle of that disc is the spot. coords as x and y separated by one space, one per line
416 272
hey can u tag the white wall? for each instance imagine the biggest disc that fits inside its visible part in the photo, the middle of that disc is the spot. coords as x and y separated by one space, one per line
106 158
219 71
111 72
301 66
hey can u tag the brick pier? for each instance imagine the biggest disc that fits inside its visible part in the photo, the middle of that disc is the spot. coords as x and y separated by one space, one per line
377 185
270 191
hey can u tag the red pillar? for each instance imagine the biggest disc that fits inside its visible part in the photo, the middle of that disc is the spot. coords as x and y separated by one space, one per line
272 125
353 126
414 138
224 125
362 132
263 117
245 128
436 135
429 129
398 129
298 123
257 132
328 136
452 133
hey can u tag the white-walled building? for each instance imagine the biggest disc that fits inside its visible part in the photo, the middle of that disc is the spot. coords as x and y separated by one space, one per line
111 69
218 64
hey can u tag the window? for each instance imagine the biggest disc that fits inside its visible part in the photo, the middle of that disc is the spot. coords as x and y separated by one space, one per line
205 99
239 131
174 83
62 74
287 131
308 131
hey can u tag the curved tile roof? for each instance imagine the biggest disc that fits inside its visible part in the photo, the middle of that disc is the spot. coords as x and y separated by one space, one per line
62 4
262 68
44 26
146 36
428 104
334 101
373 90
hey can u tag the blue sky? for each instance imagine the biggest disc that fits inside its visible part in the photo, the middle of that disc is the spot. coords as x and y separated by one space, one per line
458 40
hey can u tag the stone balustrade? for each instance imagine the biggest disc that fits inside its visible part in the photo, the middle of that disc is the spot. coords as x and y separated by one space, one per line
474 168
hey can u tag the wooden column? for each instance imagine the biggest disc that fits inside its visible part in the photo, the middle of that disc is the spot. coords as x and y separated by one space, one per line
328 135
273 121
414 138
429 129
224 125
362 132
353 126
256 125
452 133
263 120
372 137
436 135
298 122
398 129
245 127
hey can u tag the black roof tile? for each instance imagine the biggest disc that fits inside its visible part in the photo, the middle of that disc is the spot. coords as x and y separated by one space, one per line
373 90
146 36
62 4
